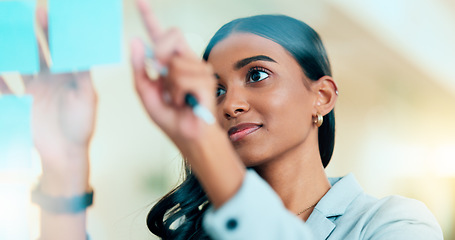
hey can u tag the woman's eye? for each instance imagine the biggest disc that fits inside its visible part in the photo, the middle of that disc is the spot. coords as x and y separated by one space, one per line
257 75
220 91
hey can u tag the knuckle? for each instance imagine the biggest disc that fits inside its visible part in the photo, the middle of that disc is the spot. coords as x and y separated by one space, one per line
173 63
175 66
161 55
175 31
176 96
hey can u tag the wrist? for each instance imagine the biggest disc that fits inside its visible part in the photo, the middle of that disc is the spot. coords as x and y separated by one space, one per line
216 165
60 204
63 151
65 175
211 142
64 186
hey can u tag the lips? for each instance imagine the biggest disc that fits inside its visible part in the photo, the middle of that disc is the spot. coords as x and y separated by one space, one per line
242 130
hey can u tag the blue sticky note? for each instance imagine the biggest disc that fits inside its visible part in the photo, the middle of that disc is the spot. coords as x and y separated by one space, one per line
18 44
84 33
15 132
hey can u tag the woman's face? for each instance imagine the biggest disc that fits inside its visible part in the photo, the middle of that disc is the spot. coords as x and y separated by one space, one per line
264 101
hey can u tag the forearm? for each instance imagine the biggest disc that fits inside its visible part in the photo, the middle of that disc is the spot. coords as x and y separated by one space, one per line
68 184
216 165
63 226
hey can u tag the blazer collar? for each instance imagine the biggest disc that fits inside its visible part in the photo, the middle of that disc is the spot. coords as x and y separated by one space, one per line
334 203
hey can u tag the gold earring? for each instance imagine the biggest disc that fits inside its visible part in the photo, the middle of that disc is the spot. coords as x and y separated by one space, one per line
319 119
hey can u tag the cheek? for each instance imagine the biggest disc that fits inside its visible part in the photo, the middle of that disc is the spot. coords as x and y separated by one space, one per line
219 114
291 104
288 116
287 121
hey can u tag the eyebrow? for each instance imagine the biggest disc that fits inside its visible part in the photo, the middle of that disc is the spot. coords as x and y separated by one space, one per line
242 63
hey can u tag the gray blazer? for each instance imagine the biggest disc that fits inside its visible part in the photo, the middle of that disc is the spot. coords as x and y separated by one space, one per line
345 212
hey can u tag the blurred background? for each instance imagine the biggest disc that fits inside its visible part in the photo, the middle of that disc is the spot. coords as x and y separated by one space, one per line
394 62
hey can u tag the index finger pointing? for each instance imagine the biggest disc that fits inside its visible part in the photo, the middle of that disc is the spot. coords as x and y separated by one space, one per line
151 22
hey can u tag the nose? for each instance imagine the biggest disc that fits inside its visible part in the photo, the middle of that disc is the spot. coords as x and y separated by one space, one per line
235 103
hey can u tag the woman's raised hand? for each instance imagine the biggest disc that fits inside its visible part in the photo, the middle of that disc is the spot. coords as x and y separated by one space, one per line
163 99
63 117
206 147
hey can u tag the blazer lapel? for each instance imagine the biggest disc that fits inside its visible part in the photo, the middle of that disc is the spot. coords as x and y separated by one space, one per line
320 225
333 204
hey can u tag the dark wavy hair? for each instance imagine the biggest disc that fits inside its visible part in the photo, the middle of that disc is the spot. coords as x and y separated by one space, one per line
178 215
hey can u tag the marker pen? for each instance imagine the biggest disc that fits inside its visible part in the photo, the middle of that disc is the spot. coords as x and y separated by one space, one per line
155 69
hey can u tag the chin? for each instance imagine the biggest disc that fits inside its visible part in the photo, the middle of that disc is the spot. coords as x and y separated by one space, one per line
253 155
251 160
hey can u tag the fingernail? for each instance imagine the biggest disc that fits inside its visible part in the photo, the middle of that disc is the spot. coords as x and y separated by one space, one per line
149 53
154 66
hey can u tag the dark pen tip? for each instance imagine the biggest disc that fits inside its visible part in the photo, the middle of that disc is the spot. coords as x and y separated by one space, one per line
190 100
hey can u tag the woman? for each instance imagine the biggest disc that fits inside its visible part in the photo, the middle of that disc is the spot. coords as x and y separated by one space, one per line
258 173
274 84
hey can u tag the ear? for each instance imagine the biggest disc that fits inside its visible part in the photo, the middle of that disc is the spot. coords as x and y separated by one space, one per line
326 92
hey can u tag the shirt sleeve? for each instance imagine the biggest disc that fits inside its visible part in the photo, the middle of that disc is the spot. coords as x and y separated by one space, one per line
255 212
400 218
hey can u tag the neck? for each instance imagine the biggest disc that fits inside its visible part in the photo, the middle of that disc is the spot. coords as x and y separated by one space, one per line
298 177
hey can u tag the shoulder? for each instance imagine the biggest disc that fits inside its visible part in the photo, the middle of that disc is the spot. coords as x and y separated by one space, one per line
404 208
392 217
396 216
